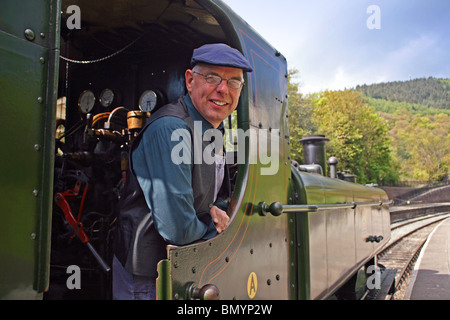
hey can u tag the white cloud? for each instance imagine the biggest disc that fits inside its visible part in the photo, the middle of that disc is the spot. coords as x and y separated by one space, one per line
414 57
411 55
329 43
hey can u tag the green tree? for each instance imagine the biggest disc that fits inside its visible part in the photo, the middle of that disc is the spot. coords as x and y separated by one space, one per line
359 138
429 147
422 145
300 116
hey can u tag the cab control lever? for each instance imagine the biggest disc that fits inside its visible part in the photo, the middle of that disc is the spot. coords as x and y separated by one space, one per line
62 202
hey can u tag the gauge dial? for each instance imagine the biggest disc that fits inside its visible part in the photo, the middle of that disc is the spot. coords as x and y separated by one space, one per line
86 101
106 97
148 101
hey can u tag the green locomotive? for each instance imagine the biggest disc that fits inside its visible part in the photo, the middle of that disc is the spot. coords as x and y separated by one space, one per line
78 80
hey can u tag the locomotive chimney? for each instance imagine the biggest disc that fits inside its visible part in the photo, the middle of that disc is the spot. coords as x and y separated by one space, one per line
314 150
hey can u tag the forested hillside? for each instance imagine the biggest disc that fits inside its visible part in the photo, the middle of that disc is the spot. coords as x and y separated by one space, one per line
383 132
418 115
429 92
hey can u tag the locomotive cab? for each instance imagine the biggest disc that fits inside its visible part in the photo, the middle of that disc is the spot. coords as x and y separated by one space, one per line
119 64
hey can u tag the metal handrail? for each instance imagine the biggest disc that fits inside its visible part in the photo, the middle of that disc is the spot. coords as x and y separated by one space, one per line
276 208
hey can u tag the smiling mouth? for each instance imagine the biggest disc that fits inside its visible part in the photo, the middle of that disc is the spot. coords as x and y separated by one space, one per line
219 103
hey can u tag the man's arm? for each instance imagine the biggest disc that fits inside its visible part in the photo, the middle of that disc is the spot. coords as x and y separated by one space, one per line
167 186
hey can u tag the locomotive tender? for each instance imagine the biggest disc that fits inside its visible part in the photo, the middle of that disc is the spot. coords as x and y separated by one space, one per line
79 79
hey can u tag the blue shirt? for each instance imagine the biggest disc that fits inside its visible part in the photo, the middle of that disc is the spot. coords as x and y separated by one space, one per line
167 186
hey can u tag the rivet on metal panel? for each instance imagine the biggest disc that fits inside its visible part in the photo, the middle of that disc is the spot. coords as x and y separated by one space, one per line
35 192
29 34
33 236
37 147
40 100
42 60
42 35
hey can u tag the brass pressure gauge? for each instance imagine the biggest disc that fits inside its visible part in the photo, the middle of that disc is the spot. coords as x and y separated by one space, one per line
148 101
86 101
106 97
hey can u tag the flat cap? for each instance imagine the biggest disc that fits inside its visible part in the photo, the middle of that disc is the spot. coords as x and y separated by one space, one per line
220 54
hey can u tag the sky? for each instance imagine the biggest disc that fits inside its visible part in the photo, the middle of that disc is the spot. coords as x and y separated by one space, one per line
338 44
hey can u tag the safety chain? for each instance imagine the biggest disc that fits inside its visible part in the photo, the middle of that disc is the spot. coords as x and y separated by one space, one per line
104 58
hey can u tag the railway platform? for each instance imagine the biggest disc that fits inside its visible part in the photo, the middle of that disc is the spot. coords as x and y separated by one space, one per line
430 279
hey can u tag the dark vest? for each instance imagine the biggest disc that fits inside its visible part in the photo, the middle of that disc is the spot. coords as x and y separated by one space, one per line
138 245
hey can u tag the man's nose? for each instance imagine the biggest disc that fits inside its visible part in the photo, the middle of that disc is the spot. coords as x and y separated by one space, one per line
223 86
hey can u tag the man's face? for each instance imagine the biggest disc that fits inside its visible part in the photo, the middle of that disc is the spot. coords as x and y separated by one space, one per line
214 102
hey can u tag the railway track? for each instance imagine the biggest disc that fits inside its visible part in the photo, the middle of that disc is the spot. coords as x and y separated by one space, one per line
401 252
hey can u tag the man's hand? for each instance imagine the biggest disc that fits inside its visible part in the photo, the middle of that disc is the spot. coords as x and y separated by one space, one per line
220 218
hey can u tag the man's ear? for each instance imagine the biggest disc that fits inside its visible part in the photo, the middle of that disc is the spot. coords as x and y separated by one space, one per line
189 77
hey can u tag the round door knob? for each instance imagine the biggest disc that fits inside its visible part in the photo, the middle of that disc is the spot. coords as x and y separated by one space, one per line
207 292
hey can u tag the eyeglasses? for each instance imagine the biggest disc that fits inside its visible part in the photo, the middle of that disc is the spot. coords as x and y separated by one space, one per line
216 80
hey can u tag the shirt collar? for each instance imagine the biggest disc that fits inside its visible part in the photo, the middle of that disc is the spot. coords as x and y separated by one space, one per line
196 116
